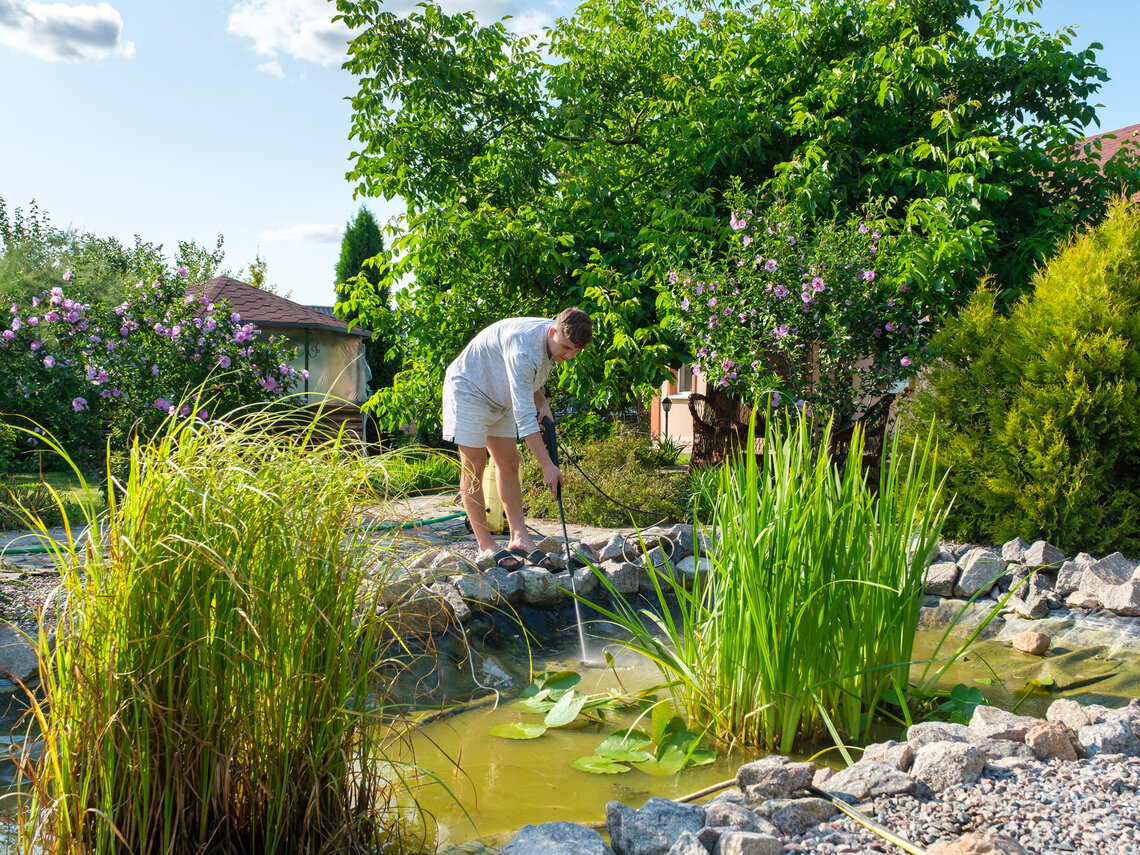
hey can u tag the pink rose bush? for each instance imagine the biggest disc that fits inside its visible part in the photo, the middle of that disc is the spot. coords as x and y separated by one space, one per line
816 313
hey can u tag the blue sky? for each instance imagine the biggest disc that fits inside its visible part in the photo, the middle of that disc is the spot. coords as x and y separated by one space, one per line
183 119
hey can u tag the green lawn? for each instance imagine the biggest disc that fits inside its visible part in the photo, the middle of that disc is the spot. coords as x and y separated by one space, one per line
66 484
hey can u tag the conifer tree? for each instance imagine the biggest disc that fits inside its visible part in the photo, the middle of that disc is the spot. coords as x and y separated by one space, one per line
355 276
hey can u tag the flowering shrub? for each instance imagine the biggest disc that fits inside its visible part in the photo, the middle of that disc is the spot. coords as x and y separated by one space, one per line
78 368
812 313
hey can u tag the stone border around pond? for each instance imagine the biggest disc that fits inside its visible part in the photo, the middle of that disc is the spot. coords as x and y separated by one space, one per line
771 808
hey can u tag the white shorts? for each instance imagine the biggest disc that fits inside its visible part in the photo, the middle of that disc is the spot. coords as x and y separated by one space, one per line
468 420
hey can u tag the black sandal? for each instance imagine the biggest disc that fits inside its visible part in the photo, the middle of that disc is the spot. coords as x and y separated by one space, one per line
541 560
512 562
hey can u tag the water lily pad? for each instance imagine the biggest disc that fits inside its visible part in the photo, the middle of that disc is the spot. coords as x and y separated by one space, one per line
540 704
702 757
552 680
598 765
624 740
670 765
566 710
518 730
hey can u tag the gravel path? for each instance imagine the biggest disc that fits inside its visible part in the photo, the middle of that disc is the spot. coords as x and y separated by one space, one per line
1088 806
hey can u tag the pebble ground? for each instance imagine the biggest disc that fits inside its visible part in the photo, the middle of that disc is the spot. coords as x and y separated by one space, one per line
1087 806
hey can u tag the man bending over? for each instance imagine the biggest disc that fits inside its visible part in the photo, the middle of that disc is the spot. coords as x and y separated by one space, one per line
493 392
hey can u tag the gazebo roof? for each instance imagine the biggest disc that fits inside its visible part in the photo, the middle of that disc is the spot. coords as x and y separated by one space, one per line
267 310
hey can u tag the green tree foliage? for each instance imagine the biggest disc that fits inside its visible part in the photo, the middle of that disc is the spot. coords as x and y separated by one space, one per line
579 170
1036 412
35 254
361 288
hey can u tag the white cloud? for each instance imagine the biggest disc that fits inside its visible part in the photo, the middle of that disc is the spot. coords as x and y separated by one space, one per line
303 29
57 31
272 67
300 29
305 234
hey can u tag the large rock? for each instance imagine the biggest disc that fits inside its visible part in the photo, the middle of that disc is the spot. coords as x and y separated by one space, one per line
940 578
978 843
801 814
625 577
940 765
609 547
980 569
1074 715
995 723
725 815
452 600
1043 554
1033 643
926 732
772 779
1051 742
689 569
688 844
996 750
18 659
898 754
652 829
557 838
1122 599
870 780
1113 569
748 843
479 589
1069 578
1013 552
1110 737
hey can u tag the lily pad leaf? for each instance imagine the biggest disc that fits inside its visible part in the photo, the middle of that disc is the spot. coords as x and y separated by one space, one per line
551 680
702 757
538 705
661 768
518 730
566 710
598 765
624 740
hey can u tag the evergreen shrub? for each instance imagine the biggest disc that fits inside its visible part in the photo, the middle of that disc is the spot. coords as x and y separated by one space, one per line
1036 412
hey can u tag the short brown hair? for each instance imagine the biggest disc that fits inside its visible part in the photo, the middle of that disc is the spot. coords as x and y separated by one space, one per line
576 326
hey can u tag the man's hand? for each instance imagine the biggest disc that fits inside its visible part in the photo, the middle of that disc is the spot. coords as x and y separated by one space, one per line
552 475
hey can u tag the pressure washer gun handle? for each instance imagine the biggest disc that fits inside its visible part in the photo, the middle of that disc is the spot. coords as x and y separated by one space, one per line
551 439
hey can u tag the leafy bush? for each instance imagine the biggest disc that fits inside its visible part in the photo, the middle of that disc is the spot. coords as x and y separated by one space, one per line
415 469
1036 412
626 466
819 312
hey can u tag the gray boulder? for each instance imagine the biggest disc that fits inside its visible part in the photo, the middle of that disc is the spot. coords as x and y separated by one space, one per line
1002 749
1113 569
1013 552
625 577
1110 737
688 844
801 814
870 780
1043 554
926 732
652 829
995 723
730 816
557 838
1051 742
940 765
898 754
538 587
980 569
940 578
748 843
1069 578
770 779
689 569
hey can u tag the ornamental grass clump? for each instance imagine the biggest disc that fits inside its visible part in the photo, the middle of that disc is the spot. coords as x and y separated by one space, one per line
213 688
805 625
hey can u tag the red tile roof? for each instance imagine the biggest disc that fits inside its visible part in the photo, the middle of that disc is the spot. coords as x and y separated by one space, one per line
263 309
1129 136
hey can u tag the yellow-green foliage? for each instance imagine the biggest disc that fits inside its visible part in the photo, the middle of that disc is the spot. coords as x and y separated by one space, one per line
1038 414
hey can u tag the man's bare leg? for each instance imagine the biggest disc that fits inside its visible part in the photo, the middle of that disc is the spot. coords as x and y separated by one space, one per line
473 461
506 455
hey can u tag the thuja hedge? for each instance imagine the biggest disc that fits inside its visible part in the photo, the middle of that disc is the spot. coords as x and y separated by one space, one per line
1037 413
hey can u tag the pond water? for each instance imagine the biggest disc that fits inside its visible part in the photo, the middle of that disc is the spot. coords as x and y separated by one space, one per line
476 786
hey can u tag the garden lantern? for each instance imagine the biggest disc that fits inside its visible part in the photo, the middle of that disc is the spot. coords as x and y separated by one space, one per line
666 405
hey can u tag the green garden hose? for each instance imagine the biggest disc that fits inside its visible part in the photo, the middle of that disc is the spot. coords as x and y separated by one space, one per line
43 550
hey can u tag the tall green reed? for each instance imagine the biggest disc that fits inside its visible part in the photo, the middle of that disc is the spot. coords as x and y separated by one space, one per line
214 688
804 627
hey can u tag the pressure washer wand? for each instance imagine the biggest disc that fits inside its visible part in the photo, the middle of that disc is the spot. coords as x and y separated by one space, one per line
551 440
